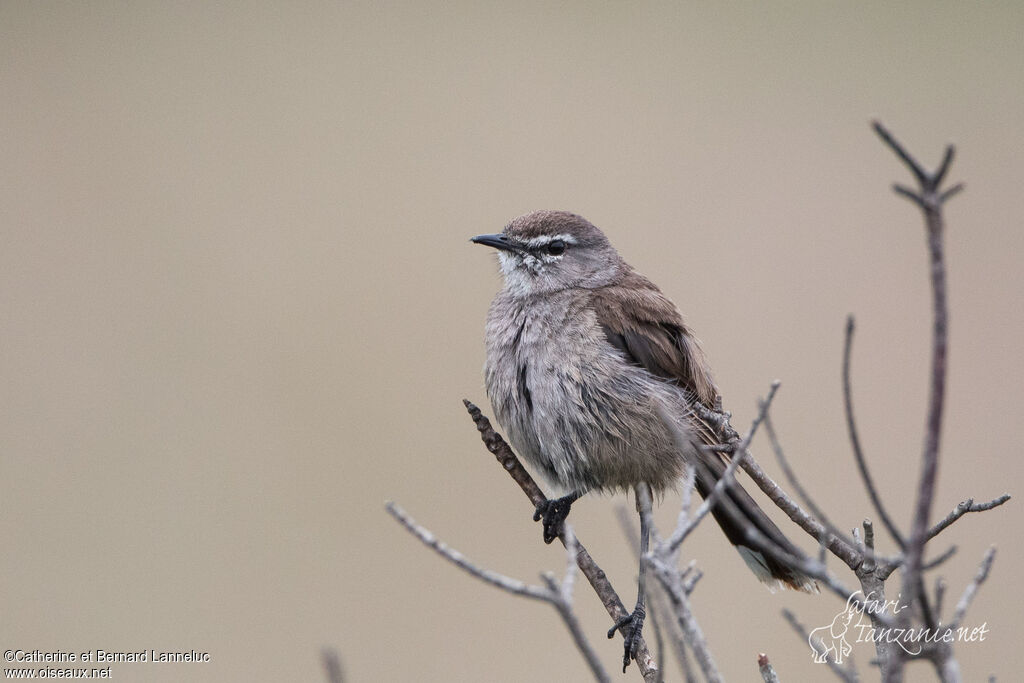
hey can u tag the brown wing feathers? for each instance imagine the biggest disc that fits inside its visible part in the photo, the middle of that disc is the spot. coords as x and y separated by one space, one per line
638 319
648 329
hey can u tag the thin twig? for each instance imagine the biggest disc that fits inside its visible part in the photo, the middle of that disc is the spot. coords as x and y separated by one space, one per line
497 580
858 452
940 594
504 455
867 549
690 580
929 199
932 564
911 163
766 669
564 605
869 534
819 514
659 640
718 490
972 588
687 621
576 631
755 540
815 529
332 665
559 596
661 560
961 509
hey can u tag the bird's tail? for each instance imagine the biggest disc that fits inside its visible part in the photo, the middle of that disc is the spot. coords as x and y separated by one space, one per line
735 512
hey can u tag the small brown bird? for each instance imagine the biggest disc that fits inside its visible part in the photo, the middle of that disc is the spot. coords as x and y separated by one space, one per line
595 377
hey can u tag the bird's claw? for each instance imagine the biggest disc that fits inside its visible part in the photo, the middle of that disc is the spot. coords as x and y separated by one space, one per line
631 626
553 512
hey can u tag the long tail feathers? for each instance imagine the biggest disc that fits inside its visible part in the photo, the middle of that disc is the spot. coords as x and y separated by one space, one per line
735 512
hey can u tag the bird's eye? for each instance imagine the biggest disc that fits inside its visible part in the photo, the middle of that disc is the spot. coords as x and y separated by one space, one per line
556 247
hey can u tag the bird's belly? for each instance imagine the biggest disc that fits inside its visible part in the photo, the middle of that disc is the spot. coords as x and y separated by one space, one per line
582 416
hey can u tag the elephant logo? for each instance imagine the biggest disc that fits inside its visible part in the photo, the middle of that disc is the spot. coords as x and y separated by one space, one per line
832 638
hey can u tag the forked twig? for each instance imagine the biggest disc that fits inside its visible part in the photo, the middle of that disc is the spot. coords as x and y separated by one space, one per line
558 595
962 508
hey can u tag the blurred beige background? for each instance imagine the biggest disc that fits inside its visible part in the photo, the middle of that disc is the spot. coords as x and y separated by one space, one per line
239 309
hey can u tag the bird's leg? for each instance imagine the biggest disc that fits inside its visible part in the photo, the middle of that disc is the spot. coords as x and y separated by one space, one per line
632 624
553 512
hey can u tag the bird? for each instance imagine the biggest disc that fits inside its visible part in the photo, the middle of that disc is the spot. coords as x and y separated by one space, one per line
599 384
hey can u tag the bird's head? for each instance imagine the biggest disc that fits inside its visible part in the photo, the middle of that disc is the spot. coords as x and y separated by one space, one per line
548 251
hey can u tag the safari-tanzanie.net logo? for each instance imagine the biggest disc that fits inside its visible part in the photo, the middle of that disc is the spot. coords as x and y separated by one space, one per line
853 624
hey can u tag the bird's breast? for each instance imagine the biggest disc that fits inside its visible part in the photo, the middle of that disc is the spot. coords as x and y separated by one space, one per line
571 404
545 363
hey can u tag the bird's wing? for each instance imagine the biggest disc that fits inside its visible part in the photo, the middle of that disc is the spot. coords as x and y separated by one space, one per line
643 324
647 328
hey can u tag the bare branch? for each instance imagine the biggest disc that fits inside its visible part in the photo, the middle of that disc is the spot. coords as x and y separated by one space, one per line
595 575
911 163
684 615
555 594
950 552
564 607
907 193
848 553
831 529
686 498
332 665
428 539
690 577
768 674
950 192
940 594
940 173
739 455
962 509
930 200
858 453
503 453
754 539
569 579
972 588
659 640
662 560
845 552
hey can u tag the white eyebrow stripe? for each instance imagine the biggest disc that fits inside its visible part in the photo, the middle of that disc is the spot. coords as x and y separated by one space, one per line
541 240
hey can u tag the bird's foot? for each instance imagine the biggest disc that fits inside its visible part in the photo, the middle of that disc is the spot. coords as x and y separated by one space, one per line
553 512
631 626
718 419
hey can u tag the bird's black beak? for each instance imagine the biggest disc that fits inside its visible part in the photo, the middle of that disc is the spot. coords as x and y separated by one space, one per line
498 241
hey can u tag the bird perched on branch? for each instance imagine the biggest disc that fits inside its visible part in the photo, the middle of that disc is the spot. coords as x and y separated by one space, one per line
599 384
